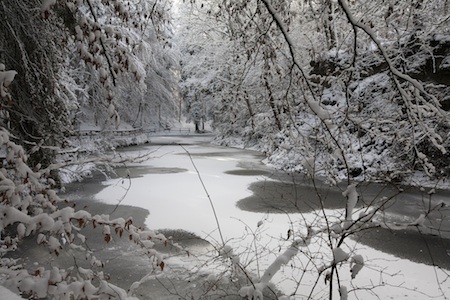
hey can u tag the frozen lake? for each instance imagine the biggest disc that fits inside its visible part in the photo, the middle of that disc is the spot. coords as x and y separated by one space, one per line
245 193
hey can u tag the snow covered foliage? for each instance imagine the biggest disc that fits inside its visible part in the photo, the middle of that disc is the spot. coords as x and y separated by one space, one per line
255 291
326 87
31 208
202 54
64 58
135 66
355 85
96 62
348 90
357 263
6 77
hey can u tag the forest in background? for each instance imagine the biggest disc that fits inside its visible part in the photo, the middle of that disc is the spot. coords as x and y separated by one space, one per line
358 89
94 63
349 90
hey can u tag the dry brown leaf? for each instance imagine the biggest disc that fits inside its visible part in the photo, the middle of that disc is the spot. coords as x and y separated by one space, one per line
107 238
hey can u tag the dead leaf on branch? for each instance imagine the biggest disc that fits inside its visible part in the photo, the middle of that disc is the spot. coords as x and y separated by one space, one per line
128 223
107 237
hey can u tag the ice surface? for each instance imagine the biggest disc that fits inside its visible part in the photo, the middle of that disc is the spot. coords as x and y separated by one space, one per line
178 201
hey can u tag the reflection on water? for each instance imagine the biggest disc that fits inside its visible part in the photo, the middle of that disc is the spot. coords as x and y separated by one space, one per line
245 172
286 197
135 172
410 244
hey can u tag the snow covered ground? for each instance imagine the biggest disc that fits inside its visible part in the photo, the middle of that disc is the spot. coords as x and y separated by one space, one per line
170 187
8 295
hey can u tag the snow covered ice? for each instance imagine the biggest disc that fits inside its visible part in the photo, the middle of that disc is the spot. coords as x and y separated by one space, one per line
177 201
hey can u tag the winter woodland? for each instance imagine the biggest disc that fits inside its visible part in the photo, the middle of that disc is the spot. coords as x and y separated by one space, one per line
344 92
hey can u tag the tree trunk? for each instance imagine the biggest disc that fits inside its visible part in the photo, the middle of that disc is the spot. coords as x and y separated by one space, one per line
250 110
272 105
328 24
197 127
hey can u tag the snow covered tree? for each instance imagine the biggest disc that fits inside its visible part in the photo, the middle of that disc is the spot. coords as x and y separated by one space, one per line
324 87
34 49
85 60
286 68
31 209
351 90
60 59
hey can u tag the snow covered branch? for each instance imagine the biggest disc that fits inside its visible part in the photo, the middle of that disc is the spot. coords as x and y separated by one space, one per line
31 208
415 109
255 291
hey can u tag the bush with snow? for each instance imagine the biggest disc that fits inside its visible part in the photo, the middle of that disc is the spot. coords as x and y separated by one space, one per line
31 208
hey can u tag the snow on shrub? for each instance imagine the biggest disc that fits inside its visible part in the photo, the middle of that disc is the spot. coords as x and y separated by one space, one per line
6 77
30 207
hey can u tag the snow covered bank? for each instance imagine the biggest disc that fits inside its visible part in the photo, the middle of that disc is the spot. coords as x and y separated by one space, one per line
91 141
288 157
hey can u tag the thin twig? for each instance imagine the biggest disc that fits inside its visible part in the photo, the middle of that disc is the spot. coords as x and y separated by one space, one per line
207 194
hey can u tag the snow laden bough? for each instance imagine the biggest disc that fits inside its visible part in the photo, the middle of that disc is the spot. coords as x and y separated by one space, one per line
31 208
255 290
6 77
335 234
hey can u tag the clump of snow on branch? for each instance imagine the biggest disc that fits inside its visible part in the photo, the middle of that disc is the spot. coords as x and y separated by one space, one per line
339 255
356 264
227 252
30 207
352 198
6 77
46 6
255 291
343 292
